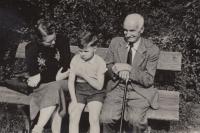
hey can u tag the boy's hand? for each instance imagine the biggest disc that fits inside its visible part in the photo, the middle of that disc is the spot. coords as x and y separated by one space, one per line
72 106
33 81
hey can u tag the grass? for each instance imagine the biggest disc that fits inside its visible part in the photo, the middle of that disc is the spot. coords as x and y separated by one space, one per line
11 119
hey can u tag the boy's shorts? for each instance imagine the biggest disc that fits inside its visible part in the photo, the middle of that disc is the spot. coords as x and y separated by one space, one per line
86 93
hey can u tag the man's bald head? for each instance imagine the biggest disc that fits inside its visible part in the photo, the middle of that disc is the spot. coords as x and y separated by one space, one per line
134 19
133 27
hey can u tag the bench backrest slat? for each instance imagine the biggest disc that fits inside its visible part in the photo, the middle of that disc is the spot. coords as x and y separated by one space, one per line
167 60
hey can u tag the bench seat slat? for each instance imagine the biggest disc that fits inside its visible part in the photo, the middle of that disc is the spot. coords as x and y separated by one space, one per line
168 101
13 97
169 106
161 114
169 111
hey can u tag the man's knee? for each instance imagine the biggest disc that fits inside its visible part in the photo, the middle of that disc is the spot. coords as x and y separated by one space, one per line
137 120
106 118
110 114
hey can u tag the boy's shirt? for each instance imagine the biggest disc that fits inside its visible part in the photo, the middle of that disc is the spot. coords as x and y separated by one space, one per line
92 67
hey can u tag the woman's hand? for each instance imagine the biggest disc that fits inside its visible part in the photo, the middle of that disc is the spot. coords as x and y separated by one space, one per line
33 81
60 75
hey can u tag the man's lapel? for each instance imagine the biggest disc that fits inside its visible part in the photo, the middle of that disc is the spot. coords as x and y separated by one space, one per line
122 51
140 54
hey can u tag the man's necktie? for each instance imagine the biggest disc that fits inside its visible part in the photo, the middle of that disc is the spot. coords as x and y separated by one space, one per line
130 54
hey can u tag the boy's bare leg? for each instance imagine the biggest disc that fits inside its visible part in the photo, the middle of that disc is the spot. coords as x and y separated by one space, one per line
94 108
56 122
74 118
45 114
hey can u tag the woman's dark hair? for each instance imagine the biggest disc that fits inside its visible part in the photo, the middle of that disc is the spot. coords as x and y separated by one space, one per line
47 26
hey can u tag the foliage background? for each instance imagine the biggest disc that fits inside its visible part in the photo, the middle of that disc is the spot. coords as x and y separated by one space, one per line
172 25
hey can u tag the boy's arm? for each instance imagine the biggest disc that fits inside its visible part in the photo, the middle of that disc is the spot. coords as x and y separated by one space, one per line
71 86
97 83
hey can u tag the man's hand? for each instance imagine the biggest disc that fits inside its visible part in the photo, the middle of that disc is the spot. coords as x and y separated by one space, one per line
117 67
124 75
60 75
33 81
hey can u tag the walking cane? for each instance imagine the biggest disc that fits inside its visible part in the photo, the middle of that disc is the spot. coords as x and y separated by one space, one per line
123 107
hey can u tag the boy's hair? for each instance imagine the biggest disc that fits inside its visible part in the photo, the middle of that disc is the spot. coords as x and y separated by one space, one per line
87 39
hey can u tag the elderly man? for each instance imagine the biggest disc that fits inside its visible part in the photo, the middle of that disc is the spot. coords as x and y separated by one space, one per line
130 59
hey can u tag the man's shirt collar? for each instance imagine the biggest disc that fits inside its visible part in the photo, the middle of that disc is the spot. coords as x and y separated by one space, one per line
135 45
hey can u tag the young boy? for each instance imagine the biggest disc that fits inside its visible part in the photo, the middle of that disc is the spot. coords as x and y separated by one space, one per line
86 80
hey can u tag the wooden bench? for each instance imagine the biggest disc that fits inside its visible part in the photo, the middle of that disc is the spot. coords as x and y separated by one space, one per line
168 100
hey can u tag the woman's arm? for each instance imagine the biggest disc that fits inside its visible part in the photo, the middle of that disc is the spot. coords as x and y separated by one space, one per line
31 51
62 43
32 65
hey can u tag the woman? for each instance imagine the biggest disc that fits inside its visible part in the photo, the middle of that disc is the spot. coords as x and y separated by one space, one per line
48 58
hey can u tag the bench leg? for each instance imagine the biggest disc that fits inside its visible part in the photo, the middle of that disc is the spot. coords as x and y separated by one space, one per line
25 114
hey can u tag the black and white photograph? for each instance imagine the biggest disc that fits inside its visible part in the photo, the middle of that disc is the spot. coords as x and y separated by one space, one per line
99 66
